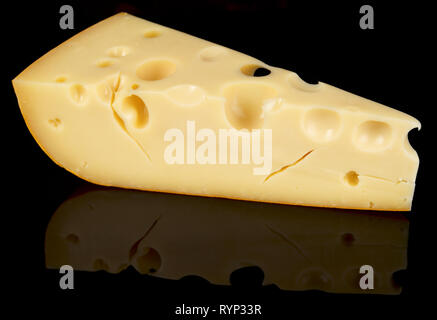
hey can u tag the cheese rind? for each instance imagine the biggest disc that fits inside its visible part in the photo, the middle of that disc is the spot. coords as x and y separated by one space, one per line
100 105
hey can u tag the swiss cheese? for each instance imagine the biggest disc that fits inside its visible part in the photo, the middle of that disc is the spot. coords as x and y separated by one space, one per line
133 104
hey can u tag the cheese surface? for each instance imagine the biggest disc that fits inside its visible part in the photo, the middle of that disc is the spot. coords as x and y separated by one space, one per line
115 102
172 236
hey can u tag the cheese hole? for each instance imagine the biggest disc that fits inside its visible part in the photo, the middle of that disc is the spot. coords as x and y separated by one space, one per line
407 145
211 53
61 79
105 63
152 34
135 111
251 276
119 51
297 83
351 178
308 78
373 136
245 104
255 70
149 261
156 70
100 264
135 86
77 93
72 238
56 123
347 239
322 125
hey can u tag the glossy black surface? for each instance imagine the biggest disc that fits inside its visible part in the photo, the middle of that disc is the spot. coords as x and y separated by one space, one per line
318 41
174 236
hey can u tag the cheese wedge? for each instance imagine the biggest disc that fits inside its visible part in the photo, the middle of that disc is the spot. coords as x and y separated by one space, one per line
172 236
133 104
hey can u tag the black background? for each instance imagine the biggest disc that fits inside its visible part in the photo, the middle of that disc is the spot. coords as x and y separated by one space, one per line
319 41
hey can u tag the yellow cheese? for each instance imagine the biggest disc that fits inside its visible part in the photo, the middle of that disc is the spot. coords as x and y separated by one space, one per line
133 104
172 236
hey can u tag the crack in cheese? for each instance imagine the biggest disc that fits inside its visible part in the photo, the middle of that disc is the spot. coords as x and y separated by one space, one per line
100 103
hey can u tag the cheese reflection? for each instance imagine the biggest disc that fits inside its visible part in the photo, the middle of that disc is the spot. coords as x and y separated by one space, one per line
171 236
